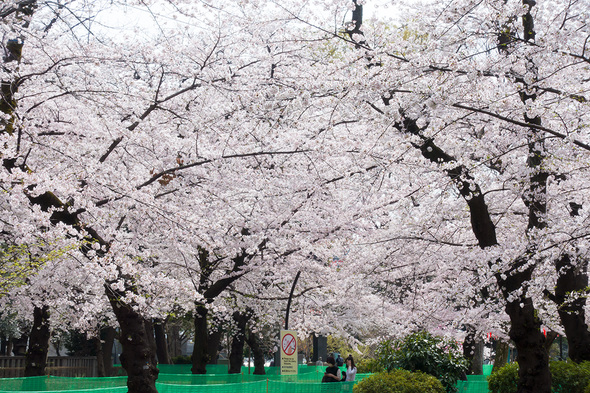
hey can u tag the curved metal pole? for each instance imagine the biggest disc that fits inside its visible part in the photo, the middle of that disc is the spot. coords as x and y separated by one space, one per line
289 301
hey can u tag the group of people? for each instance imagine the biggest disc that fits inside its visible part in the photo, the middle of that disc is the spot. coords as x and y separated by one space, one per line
334 374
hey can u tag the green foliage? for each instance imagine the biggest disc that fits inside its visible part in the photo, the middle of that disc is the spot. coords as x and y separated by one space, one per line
569 377
78 344
424 352
19 261
340 345
399 381
504 379
183 359
368 365
16 264
9 324
566 377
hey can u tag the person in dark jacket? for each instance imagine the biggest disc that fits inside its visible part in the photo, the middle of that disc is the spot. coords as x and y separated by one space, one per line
333 373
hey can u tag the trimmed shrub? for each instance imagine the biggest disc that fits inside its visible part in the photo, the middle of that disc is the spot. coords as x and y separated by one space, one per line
424 352
504 380
399 381
566 377
569 377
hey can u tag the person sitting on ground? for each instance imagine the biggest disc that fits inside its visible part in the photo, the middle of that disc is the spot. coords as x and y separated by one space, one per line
333 373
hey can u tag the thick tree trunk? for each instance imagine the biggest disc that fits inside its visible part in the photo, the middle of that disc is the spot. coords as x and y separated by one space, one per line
572 281
477 362
138 357
257 351
501 356
4 346
104 349
36 358
100 368
200 356
161 343
213 345
534 376
210 291
525 332
108 340
473 351
236 357
532 358
173 338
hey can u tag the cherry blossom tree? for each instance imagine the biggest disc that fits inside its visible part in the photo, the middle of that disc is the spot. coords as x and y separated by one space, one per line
490 94
148 159
185 162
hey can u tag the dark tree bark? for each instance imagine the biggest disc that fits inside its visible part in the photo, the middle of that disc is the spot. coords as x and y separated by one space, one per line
161 343
501 356
473 351
4 345
236 356
108 340
200 356
550 337
257 352
138 357
534 376
36 357
100 368
477 363
213 344
573 279
174 343
104 349
8 88
210 291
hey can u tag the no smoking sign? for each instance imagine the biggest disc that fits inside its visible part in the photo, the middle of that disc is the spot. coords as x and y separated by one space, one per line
289 344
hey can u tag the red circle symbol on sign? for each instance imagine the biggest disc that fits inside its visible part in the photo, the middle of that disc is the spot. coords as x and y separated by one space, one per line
289 344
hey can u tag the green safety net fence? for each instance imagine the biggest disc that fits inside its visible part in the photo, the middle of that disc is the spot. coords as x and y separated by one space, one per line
208 383
223 369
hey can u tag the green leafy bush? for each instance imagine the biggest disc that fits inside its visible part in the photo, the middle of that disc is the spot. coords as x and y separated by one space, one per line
424 352
569 377
365 366
504 380
183 359
399 381
566 377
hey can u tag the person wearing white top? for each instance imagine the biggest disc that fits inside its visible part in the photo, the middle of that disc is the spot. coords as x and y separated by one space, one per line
350 369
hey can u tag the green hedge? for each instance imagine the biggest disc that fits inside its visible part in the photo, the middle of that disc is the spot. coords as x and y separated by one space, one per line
566 377
399 381
422 351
